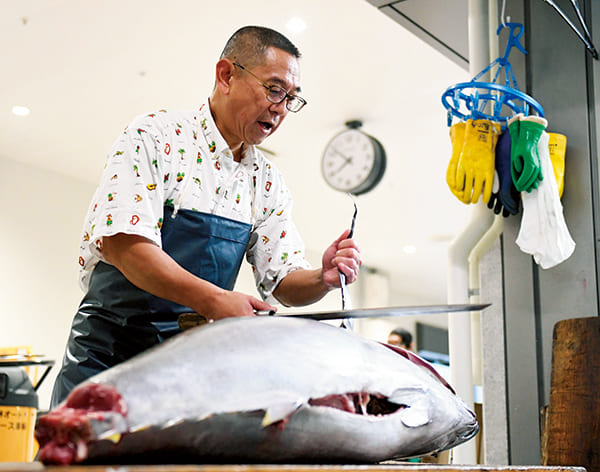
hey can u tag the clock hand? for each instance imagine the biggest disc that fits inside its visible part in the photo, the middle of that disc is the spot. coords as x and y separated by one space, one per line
346 162
343 156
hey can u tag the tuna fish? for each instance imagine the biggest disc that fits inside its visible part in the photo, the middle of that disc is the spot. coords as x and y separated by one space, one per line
258 390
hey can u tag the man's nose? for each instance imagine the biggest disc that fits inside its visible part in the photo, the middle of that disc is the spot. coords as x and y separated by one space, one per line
280 108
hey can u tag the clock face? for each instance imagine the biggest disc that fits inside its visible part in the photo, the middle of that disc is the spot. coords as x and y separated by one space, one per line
351 161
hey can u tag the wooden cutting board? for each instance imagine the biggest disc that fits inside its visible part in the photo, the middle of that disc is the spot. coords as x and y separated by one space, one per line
395 467
572 424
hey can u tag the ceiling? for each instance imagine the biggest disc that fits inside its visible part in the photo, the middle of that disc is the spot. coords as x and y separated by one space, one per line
85 69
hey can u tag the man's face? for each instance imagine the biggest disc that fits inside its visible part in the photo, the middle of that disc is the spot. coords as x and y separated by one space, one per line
395 340
255 117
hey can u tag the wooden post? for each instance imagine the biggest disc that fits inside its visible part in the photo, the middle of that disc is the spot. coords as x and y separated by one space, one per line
572 424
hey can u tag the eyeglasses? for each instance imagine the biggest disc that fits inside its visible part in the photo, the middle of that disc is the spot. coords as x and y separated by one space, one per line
277 94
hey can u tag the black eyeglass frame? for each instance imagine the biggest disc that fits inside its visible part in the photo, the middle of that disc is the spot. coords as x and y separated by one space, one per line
287 96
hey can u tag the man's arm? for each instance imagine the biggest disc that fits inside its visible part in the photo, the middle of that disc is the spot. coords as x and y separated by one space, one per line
303 287
151 269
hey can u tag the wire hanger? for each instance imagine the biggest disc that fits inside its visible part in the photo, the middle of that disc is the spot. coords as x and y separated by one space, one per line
491 100
585 36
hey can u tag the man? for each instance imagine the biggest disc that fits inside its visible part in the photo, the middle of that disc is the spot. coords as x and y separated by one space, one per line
183 197
401 338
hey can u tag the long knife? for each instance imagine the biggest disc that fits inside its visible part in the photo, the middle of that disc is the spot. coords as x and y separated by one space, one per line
188 320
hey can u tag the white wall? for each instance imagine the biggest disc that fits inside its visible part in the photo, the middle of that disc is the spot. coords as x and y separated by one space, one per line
39 236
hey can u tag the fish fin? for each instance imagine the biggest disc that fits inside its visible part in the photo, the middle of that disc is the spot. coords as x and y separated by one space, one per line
140 427
173 422
111 436
280 411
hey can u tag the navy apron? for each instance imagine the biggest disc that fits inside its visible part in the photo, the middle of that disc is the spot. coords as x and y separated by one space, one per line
116 320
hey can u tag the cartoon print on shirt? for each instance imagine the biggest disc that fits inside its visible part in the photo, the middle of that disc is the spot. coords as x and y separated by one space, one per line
227 189
111 196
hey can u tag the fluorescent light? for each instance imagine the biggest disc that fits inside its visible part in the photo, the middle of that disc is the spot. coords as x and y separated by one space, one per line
20 110
408 249
296 25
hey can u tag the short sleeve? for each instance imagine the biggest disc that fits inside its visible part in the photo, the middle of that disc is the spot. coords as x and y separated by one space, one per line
276 248
130 196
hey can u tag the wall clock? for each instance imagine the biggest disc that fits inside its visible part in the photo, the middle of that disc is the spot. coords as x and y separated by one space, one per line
353 161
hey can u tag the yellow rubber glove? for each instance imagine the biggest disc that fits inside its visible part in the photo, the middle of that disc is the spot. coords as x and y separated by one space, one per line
475 171
457 138
557 145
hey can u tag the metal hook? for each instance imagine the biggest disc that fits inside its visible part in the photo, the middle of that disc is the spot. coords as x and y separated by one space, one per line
346 302
353 216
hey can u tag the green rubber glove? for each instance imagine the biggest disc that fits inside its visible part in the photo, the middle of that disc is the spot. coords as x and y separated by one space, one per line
457 138
475 170
525 167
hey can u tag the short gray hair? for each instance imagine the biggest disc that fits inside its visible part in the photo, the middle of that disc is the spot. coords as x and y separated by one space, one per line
249 44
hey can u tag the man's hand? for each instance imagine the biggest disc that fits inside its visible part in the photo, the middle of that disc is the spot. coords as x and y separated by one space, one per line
343 255
151 269
228 304
302 287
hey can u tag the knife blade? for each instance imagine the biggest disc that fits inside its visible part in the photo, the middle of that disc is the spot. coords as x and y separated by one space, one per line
384 311
188 320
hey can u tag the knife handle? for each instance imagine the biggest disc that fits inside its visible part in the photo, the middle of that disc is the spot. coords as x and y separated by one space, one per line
190 320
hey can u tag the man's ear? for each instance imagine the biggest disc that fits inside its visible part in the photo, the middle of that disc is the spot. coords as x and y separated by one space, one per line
224 73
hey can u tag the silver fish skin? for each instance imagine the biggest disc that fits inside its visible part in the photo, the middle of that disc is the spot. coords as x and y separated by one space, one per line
259 390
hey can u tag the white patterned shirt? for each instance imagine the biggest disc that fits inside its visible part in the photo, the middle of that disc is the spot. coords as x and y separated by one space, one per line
180 159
